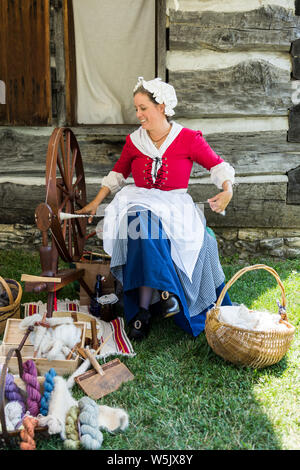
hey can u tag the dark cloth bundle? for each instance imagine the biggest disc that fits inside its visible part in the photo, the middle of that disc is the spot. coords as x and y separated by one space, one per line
4 300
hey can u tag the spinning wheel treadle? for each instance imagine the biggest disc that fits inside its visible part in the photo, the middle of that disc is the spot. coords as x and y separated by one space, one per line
65 191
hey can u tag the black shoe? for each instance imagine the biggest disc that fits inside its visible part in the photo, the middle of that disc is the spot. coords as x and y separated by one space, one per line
169 304
139 327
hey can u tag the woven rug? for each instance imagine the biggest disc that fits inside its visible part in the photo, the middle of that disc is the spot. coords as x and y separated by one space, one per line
113 332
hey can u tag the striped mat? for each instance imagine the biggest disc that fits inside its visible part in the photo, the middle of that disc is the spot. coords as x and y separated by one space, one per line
112 333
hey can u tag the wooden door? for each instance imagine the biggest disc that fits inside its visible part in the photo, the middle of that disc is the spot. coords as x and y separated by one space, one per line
25 62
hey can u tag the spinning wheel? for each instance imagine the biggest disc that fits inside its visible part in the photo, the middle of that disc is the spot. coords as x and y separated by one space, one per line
65 191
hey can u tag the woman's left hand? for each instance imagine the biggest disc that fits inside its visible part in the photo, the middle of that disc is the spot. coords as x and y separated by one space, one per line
219 202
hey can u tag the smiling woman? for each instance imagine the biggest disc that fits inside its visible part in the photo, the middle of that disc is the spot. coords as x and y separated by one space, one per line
163 252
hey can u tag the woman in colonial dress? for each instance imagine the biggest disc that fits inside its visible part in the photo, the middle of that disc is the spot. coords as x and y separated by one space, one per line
156 236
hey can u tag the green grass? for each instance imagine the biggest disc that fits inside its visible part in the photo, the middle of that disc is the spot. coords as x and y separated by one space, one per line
184 397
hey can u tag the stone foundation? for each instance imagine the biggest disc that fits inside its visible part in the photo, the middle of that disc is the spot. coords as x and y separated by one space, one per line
270 243
246 243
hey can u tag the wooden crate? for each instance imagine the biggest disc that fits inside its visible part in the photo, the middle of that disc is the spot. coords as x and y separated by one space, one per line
12 338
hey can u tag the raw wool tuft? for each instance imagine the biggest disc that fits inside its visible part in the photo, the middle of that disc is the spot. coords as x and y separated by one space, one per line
52 343
112 419
61 401
241 317
91 437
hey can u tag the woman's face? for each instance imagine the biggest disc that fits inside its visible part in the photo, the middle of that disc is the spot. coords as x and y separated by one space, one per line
149 114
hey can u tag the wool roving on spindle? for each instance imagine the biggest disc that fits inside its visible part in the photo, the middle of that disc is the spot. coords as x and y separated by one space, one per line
91 437
72 441
48 388
32 387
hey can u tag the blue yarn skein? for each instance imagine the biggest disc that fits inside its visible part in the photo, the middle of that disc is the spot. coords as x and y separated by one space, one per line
48 388
91 437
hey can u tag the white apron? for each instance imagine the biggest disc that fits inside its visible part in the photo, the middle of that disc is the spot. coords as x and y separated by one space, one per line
178 213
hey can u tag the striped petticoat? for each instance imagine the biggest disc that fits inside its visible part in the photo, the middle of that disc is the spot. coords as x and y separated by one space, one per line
144 261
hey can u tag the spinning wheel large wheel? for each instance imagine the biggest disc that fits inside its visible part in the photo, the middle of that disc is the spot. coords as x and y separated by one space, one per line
65 191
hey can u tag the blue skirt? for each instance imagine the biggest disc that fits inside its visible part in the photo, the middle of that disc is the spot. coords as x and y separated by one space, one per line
144 259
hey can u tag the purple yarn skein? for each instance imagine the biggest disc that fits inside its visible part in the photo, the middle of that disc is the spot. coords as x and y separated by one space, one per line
13 393
32 387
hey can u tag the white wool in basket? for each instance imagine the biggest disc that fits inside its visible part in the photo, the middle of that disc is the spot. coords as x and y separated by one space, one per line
241 317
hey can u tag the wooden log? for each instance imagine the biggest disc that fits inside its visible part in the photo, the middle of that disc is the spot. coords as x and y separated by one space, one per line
253 205
24 152
256 153
254 88
269 27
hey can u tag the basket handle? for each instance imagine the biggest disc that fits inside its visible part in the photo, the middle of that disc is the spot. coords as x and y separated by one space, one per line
10 353
247 269
8 290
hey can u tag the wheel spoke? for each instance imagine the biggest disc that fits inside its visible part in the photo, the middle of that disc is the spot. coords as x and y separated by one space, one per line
68 143
64 202
75 239
79 227
62 188
65 172
74 156
61 170
79 178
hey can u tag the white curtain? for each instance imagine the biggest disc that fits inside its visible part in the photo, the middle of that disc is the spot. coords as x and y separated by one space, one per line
115 43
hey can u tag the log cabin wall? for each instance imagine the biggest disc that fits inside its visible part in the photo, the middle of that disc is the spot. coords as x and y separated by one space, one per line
235 69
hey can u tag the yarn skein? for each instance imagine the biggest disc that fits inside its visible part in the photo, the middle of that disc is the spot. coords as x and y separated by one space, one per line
72 441
27 433
48 388
91 437
13 393
13 415
32 387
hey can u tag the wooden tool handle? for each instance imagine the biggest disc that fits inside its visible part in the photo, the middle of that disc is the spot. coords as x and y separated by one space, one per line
32 278
94 362
95 342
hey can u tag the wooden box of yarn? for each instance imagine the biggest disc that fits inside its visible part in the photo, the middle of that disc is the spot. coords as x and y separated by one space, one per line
12 338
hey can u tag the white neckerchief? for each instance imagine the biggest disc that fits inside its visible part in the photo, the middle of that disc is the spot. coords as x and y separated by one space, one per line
144 144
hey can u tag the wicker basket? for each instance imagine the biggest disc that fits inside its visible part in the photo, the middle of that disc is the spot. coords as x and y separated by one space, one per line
13 309
12 438
247 347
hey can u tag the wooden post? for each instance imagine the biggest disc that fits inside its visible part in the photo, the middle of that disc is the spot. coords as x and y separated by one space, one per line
60 85
160 39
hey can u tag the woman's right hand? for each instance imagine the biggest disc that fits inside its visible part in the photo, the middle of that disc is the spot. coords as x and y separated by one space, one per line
90 208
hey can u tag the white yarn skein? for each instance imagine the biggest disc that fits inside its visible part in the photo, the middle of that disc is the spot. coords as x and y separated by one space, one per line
13 413
61 401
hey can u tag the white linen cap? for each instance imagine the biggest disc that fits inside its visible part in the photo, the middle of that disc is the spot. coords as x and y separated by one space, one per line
162 93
